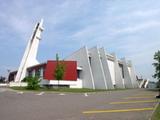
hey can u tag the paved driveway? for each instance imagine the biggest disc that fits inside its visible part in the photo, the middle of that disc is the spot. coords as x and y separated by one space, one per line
132 104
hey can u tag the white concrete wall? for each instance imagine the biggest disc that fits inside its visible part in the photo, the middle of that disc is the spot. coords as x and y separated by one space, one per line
127 77
129 70
71 84
133 76
44 82
30 54
103 71
4 85
94 74
20 84
112 71
121 70
81 56
122 74
77 85
97 69
118 74
106 68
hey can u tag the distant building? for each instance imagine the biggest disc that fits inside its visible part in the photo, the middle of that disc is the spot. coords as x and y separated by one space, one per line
86 68
152 85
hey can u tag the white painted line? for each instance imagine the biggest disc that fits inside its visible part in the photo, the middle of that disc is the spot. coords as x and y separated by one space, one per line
41 93
85 94
61 94
20 92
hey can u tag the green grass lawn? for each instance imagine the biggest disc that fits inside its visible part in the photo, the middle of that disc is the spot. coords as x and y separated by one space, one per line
72 90
156 114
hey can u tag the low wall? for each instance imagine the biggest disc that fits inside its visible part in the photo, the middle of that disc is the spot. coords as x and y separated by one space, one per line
17 84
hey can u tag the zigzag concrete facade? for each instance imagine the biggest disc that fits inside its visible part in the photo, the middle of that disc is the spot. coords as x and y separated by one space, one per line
100 70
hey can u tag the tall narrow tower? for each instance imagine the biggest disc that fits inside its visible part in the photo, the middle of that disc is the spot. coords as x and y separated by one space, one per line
29 57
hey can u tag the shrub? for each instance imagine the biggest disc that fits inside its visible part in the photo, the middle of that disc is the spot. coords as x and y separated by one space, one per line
32 82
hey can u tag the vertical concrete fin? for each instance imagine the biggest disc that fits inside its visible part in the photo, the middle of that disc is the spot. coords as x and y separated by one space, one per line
133 75
106 68
29 57
127 77
97 69
82 58
118 75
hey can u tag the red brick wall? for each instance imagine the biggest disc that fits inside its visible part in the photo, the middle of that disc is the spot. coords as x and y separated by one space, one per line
70 70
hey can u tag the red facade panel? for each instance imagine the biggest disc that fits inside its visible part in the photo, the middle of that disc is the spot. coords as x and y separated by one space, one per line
70 70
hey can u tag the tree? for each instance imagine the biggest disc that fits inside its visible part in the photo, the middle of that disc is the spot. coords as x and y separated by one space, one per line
59 71
2 79
157 69
32 82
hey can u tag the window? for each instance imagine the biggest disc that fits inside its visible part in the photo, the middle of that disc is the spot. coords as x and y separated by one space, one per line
90 60
29 73
122 70
79 74
38 73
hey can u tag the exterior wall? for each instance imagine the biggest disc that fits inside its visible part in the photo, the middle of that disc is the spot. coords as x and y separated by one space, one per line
81 56
70 70
122 74
129 70
71 84
118 74
133 75
101 71
20 84
97 69
37 70
127 77
112 71
121 70
106 68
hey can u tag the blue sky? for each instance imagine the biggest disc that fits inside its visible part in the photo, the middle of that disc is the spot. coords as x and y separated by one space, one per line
130 28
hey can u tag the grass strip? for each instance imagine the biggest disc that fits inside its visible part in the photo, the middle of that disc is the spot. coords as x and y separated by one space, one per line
72 90
156 114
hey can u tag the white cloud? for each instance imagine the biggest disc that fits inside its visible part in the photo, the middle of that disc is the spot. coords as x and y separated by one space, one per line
21 25
146 13
137 27
87 31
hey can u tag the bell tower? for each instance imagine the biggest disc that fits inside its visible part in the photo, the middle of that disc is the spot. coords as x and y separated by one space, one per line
30 54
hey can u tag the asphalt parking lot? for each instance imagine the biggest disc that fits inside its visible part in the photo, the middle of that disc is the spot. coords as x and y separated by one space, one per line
131 104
